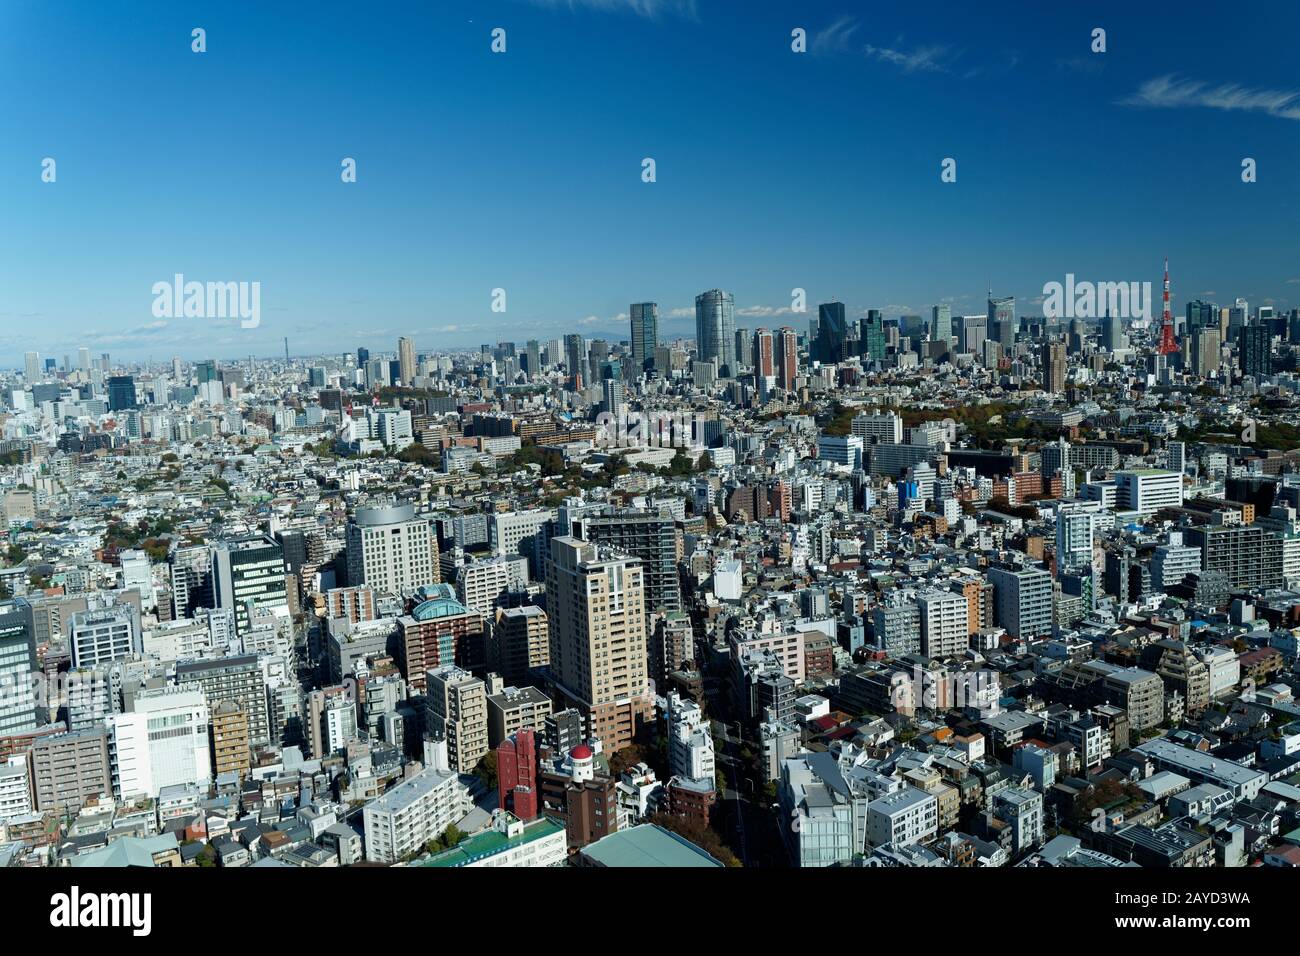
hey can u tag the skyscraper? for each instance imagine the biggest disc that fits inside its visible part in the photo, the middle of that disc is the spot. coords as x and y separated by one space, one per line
832 331
787 358
715 329
246 573
1054 367
645 335
406 360
871 335
596 603
575 360
391 550
121 393
32 367
1256 351
764 360
17 664
941 323
1002 321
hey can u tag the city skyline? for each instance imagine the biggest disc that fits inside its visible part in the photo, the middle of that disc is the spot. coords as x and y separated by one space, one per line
479 171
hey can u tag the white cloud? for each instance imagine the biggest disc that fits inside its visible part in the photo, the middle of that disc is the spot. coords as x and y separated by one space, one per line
834 38
1173 92
650 9
925 59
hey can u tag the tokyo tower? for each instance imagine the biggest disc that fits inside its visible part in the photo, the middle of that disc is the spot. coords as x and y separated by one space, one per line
1168 344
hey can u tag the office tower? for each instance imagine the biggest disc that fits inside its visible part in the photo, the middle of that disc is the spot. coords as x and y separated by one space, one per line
941 323
205 371
249 572
744 347
1205 346
1147 490
406 360
972 332
363 357
121 393
596 605
523 532
1002 321
456 713
391 550
17 667
645 335
439 631
614 400
517 775
832 331
943 617
1113 338
32 367
533 358
162 741
238 678
646 535
520 643
102 636
715 329
1201 315
83 359
597 361
764 354
575 360
1054 367
1255 350
1023 600
871 336
787 358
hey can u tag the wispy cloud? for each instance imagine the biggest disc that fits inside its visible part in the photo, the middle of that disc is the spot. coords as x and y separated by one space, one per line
649 9
922 59
834 38
1173 92
764 311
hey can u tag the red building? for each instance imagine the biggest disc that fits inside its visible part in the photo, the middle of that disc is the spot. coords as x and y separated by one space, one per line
517 775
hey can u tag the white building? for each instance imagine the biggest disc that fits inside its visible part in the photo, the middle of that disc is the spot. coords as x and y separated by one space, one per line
15 789
690 744
391 550
481 585
1147 490
414 812
902 818
161 742
944 623
881 426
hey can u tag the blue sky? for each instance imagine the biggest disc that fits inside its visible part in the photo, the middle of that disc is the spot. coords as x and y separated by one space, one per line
523 170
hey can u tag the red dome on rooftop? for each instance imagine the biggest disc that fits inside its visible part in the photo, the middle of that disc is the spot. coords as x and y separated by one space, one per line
580 752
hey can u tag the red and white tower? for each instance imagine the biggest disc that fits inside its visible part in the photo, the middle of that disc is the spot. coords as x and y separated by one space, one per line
1168 344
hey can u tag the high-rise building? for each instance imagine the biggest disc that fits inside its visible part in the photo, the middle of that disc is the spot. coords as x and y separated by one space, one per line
787 358
1054 367
871 336
456 713
1255 344
941 323
238 678
1248 556
645 335
32 367
1023 600
121 393
439 631
406 360
1205 345
575 360
249 572
715 329
391 550
596 605
764 354
1147 490
520 643
943 617
832 332
1002 321
647 535
17 665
